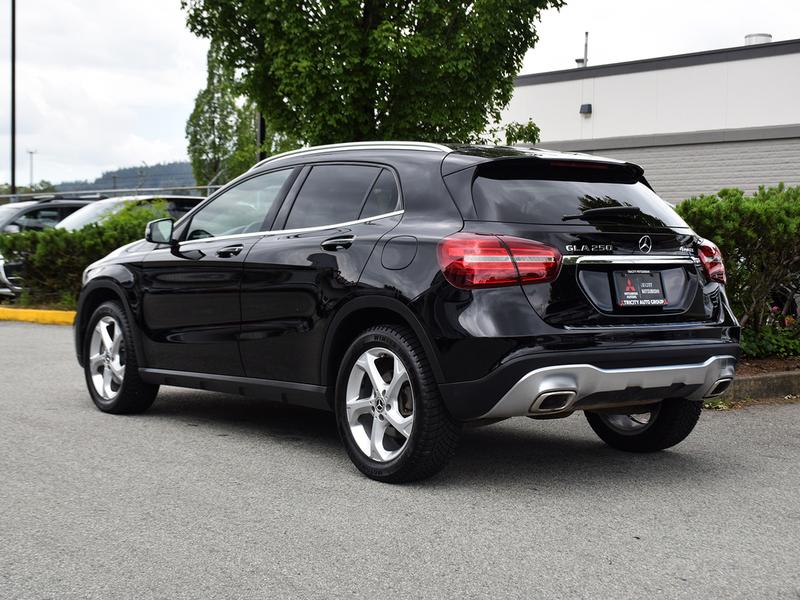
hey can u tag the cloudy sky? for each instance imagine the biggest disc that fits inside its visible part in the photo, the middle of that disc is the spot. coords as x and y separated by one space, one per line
109 83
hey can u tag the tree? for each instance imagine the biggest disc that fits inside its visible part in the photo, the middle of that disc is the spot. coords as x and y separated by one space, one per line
212 126
222 129
42 187
515 133
344 70
246 147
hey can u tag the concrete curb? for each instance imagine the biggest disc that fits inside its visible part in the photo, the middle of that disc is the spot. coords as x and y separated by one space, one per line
35 315
769 386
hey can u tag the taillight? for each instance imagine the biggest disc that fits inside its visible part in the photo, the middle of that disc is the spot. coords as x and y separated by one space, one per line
711 257
471 260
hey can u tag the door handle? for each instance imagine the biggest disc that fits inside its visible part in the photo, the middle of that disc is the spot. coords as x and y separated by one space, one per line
338 243
229 251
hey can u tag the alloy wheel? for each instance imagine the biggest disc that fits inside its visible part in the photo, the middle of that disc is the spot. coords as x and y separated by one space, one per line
380 404
630 424
107 358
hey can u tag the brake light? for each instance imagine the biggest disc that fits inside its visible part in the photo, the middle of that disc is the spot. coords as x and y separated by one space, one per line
471 260
711 257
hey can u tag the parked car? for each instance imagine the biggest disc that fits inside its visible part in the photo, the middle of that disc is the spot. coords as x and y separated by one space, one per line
97 212
414 287
33 215
36 215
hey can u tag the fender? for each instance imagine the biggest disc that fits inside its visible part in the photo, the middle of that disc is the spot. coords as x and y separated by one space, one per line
387 303
121 282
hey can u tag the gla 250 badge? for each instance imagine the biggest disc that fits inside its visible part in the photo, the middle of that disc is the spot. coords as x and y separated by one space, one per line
589 248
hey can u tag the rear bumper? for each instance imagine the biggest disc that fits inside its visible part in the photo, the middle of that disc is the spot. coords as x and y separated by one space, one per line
564 388
586 380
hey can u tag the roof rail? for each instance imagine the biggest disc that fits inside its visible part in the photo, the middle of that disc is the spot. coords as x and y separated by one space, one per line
52 197
424 146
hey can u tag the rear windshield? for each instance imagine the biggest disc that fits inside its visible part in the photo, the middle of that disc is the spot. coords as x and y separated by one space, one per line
533 192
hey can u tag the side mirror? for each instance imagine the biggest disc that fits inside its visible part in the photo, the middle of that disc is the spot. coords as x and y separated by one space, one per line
11 229
159 232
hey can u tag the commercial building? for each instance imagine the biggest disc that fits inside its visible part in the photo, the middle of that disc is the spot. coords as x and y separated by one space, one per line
696 122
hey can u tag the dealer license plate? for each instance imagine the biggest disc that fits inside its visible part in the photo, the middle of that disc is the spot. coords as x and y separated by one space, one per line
639 288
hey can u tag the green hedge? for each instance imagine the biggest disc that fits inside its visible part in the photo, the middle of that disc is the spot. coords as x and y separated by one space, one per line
54 260
781 342
759 236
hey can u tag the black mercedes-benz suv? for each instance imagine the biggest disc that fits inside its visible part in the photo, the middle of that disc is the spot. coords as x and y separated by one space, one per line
413 287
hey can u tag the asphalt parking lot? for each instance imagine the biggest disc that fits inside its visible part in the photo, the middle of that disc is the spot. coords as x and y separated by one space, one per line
209 495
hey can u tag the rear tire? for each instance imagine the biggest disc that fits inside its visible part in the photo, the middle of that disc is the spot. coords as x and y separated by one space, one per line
389 412
669 424
111 366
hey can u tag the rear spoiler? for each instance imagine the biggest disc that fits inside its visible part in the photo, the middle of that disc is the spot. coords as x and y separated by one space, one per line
564 169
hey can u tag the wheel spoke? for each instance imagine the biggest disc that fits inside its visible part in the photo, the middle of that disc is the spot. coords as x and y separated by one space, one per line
357 407
107 378
108 343
116 342
398 379
367 364
376 449
117 370
95 360
399 422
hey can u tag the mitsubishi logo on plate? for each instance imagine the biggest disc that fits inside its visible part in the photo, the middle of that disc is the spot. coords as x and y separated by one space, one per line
645 244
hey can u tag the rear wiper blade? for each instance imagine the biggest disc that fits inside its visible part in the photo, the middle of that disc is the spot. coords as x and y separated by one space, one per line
606 211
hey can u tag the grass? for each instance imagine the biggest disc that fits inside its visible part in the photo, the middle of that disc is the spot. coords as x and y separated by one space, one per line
725 403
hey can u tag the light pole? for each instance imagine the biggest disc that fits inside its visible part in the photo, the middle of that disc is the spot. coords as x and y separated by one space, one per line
13 97
30 154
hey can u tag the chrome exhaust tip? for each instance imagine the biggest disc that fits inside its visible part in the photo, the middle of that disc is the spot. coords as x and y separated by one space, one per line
720 387
553 401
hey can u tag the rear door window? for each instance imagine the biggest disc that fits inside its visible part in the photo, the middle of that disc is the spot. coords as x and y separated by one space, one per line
526 191
383 197
332 194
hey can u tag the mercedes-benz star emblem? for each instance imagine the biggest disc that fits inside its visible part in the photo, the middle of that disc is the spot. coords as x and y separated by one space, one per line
645 244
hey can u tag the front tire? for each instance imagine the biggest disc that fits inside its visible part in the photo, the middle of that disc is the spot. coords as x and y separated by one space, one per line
389 412
111 366
665 425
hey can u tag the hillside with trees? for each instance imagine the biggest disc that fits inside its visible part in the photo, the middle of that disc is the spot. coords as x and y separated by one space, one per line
163 175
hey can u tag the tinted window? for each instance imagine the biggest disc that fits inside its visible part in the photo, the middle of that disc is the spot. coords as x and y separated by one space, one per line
177 207
241 209
66 211
382 198
40 218
536 194
331 194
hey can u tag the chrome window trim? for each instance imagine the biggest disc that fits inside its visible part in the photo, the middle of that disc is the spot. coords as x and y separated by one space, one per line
237 236
638 259
422 146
